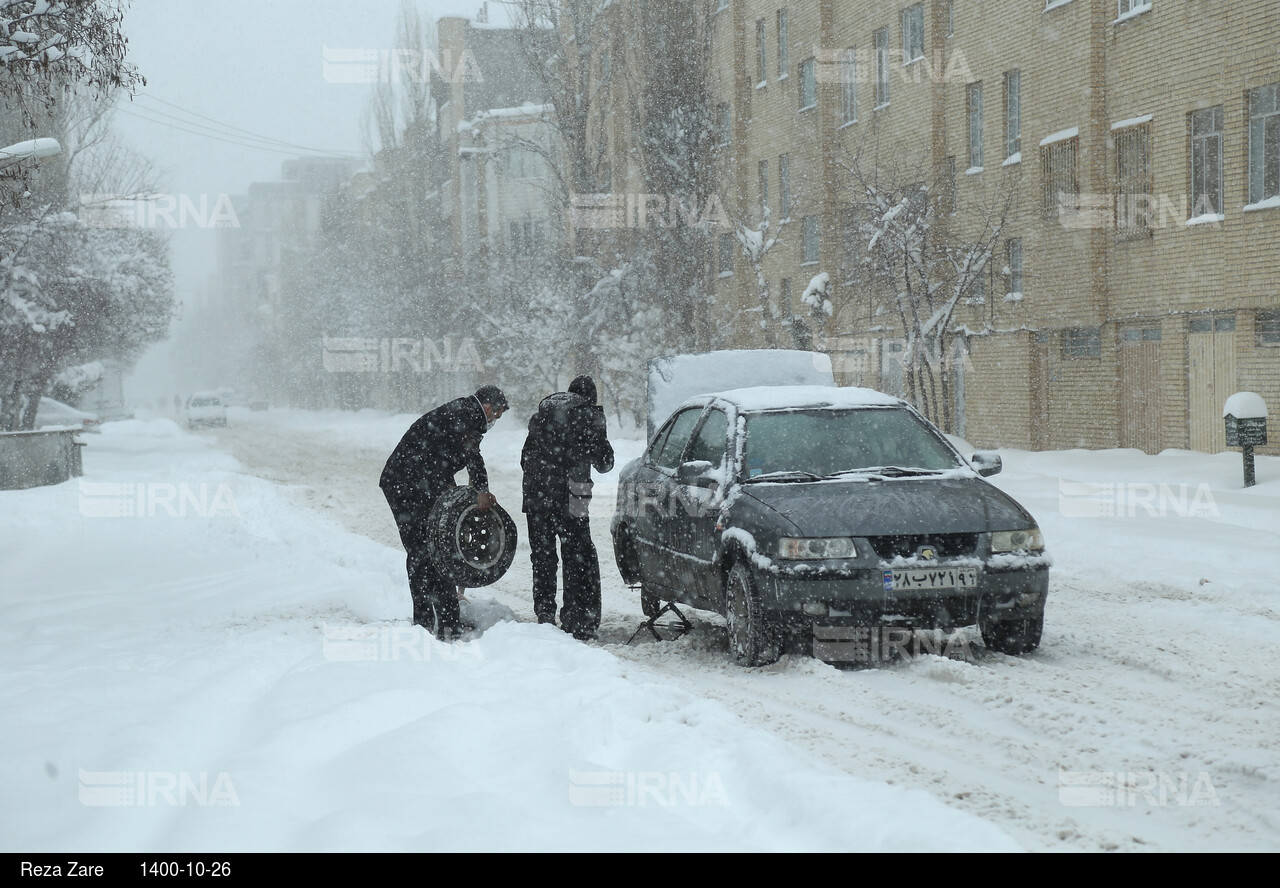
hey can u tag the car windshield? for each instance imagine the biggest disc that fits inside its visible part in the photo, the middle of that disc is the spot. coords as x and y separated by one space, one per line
824 442
204 402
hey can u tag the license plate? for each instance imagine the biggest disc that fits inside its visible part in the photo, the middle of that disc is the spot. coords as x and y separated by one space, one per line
931 578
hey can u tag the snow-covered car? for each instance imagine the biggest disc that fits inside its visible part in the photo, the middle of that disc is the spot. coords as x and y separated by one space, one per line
206 408
55 414
805 514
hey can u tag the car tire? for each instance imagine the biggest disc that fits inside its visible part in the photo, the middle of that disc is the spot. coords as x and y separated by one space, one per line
753 639
470 547
1013 636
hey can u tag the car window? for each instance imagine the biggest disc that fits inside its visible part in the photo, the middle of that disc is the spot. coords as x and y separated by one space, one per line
823 442
678 437
710 443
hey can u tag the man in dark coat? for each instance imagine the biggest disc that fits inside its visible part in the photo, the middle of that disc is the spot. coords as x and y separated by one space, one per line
420 469
567 438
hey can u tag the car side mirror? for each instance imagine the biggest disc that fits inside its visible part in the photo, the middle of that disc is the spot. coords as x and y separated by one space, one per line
986 463
694 473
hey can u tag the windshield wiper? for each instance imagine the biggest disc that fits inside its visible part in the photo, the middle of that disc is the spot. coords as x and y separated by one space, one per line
887 472
790 475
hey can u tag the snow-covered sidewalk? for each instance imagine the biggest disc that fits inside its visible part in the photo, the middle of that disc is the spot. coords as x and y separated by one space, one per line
192 661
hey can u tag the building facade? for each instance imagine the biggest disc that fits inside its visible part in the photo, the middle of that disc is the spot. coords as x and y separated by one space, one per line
1136 281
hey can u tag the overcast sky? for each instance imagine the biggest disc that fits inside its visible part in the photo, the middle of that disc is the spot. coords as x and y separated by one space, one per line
256 65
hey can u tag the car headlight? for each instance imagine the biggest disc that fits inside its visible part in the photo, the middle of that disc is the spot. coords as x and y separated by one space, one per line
816 549
1029 540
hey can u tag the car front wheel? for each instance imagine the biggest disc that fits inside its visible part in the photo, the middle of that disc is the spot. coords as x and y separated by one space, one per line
753 639
1013 636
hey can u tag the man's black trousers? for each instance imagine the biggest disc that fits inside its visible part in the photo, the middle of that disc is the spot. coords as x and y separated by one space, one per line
435 598
581 611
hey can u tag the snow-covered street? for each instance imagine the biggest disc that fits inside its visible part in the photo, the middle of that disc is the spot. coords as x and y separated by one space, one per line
207 647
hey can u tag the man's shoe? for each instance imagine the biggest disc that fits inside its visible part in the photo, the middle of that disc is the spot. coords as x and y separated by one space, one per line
547 618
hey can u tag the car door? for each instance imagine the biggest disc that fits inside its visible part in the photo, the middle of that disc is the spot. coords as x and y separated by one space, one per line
655 499
695 508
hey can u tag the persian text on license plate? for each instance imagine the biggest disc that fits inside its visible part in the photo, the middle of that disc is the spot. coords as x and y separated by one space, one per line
931 578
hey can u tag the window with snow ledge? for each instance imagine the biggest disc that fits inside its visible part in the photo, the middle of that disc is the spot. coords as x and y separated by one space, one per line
1127 9
1054 4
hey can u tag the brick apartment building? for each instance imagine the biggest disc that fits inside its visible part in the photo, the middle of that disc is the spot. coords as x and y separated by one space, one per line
1137 284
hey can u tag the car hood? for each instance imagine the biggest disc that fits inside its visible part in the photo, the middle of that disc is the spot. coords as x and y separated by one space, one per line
891 506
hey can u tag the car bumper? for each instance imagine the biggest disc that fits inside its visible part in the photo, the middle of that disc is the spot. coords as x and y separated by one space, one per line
860 598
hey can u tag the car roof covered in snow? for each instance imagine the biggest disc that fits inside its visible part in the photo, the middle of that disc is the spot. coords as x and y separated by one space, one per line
798 397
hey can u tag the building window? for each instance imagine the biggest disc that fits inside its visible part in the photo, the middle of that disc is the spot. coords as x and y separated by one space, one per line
1134 201
783 55
1267 327
1060 177
1132 7
851 231
808 89
974 105
1264 143
724 121
848 87
912 33
1013 256
722 4
810 239
725 266
784 186
880 39
1082 342
951 17
762 53
1206 162
1012 114
764 183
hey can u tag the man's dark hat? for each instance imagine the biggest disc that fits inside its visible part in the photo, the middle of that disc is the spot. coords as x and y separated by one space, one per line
493 396
584 387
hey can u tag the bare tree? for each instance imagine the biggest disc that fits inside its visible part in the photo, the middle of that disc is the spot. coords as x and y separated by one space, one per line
918 256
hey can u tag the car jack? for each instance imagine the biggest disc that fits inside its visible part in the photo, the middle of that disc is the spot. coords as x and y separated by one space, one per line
679 626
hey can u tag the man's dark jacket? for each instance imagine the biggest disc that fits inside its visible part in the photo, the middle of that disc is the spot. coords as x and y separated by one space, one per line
435 448
567 437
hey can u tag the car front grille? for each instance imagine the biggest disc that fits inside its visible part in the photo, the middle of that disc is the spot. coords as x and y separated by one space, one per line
947 545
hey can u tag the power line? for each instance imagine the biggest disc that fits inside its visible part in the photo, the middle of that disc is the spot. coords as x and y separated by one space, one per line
230 140
230 126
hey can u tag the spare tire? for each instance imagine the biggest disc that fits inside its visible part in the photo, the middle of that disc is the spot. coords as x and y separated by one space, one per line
470 547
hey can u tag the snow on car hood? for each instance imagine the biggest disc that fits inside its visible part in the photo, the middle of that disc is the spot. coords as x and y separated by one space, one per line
862 507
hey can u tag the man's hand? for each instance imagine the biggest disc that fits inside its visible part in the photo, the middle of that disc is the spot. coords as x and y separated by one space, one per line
485 500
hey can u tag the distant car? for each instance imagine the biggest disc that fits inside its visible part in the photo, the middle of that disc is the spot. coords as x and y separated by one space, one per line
206 408
811 512
55 414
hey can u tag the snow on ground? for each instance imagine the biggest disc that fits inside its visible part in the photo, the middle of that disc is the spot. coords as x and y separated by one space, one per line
195 661
268 644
